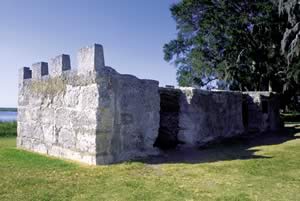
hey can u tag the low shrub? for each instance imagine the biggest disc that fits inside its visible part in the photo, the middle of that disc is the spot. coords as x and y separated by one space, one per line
8 129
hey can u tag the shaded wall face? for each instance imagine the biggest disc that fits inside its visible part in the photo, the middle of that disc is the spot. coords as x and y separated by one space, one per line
263 112
207 116
276 122
255 116
128 119
195 117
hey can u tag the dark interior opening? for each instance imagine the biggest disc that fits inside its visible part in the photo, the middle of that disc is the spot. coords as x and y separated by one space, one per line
169 119
245 112
264 105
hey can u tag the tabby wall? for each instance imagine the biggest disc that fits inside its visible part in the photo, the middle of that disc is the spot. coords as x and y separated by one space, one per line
262 110
94 115
195 117
209 115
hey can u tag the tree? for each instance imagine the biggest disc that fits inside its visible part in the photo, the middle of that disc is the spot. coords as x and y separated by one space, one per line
290 46
291 40
236 41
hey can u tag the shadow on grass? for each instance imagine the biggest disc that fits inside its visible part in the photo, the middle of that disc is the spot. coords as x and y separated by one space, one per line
241 148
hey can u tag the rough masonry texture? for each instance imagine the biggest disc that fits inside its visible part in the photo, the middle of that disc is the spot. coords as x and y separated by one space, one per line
195 117
97 116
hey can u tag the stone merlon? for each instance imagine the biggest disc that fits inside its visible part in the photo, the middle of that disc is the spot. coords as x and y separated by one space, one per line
39 69
90 58
59 64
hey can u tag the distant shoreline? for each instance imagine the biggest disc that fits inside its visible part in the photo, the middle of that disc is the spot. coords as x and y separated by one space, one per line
8 109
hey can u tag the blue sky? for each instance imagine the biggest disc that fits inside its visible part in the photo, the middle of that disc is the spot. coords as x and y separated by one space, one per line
131 31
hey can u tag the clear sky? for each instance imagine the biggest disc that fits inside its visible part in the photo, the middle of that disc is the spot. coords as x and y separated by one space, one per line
132 32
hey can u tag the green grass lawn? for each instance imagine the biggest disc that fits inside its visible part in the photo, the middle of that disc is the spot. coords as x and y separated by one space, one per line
265 168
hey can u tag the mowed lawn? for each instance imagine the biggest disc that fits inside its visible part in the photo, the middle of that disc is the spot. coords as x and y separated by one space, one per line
265 168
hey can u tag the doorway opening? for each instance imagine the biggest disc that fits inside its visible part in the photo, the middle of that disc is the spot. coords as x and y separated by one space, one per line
169 119
245 111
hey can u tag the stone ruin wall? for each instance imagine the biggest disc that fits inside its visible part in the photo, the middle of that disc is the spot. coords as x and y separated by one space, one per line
195 117
213 115
98 116
93 115
262 110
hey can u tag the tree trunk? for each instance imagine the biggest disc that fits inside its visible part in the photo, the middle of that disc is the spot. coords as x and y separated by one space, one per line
270 86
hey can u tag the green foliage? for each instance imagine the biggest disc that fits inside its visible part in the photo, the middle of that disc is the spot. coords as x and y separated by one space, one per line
290 10
8 129
235 41
293 118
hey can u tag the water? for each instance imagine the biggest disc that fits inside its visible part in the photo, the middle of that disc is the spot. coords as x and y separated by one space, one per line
8 116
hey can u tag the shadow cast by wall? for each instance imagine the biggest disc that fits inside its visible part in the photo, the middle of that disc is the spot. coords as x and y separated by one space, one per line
241 148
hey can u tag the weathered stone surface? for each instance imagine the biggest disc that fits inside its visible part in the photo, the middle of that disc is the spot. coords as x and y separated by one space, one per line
39 69
97 116
263 112
90 59
128 116
195 117
59 64
207 116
